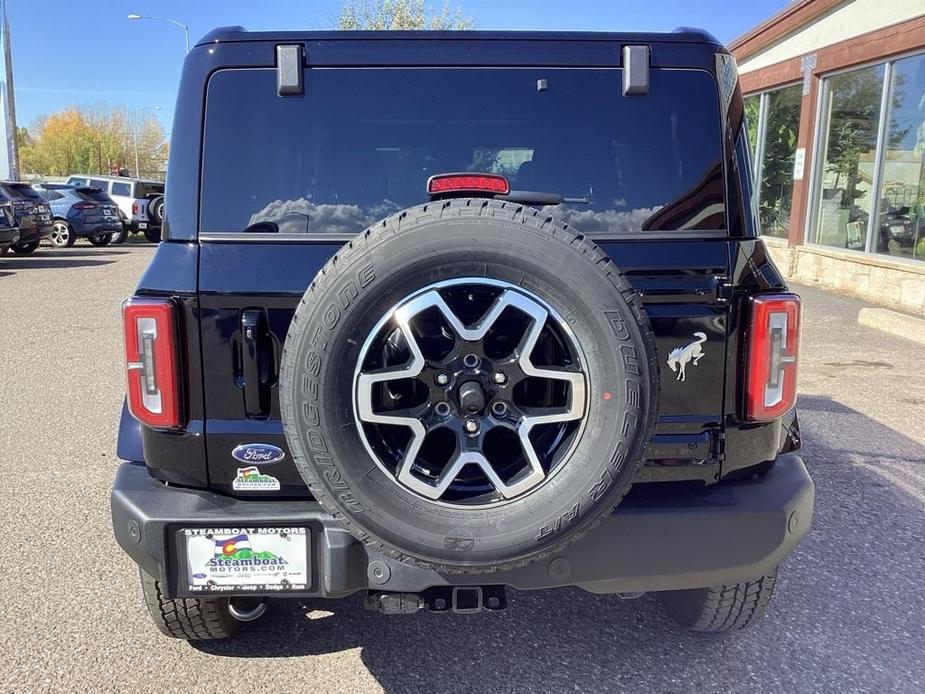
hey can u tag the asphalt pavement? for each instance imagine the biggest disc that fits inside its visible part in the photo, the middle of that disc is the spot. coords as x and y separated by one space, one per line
848 616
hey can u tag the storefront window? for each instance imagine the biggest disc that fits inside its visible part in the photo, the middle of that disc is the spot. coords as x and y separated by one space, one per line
844 194
779 145
752 113
901 221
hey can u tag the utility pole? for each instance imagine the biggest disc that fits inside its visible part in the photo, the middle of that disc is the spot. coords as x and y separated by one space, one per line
9 103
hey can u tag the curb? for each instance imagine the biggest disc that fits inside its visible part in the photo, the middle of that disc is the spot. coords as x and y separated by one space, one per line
893 322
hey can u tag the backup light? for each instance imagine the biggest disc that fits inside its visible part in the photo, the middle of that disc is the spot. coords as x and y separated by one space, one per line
773 350
151 365
468 183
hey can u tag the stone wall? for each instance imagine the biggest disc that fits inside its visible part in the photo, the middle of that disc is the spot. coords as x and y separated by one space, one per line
878 279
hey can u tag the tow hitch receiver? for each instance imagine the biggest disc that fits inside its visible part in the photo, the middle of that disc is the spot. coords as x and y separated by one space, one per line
459 599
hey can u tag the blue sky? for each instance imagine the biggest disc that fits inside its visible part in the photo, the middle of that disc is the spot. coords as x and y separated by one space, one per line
85 52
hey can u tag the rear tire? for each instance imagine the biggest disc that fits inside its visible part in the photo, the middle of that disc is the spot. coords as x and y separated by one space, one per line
62 236
153 235
720 608
193 619
120 236
101 240
25 248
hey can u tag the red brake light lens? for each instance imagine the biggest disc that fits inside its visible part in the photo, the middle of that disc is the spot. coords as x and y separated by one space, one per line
773 351
468 183
84 206
151 362
136 208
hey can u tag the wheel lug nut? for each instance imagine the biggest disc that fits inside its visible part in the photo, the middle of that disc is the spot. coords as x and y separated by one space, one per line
499 377
441 379
471 426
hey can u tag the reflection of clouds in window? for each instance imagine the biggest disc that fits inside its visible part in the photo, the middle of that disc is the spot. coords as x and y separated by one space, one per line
590 221
302 216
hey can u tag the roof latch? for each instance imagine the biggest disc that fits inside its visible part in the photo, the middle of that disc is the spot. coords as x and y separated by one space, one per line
635 70
289 70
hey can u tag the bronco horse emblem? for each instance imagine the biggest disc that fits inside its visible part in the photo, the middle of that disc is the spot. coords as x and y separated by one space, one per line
680 356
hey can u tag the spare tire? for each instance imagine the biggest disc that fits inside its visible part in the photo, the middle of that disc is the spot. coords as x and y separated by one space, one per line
469 385
156 209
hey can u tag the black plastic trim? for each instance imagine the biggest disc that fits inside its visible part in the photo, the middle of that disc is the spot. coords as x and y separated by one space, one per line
723 534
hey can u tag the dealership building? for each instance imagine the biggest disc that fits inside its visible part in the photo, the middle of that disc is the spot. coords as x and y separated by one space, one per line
835 99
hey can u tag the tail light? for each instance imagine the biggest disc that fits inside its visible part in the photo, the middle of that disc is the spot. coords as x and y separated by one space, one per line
151 364
468 183
84 206
136 208
773 349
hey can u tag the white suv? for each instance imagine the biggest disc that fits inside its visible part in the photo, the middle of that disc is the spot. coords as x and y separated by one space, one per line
140 201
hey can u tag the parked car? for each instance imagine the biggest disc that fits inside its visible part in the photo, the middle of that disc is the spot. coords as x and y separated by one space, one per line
32 214
141 201
434 319
9 232
81 213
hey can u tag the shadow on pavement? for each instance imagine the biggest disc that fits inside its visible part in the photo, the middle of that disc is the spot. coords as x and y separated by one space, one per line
25 263
847 615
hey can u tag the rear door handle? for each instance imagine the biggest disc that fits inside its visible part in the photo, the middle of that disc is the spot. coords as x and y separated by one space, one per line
255 363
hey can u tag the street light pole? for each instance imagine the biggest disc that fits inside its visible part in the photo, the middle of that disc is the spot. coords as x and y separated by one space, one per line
169 21
9 100
135 133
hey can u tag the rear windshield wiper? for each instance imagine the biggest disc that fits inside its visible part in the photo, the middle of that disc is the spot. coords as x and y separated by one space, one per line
533 197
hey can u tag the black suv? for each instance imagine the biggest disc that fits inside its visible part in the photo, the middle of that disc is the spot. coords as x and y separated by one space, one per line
32 215
442 314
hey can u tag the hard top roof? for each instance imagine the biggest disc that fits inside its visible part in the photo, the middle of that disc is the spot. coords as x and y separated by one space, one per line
231 34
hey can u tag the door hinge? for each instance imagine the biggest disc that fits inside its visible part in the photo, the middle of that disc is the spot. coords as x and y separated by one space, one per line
718 445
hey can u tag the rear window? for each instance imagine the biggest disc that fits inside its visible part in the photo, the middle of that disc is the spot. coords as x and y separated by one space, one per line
119 188
93 195
23 191
361 144
143 190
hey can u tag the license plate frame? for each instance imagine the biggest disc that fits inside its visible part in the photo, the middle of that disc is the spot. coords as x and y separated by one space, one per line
260 559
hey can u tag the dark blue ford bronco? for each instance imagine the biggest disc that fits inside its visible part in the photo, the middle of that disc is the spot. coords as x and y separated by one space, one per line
439 315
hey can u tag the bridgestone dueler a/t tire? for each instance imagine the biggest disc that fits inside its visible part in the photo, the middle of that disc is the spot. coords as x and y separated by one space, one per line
720 608
401 255
193 619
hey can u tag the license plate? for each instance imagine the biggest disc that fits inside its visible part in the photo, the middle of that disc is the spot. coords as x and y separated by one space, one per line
246 559
142 225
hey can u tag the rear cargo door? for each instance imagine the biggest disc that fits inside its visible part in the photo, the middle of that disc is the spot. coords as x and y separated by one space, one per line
286 180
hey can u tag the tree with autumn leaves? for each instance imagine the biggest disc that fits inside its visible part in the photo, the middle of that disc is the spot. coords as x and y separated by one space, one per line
92 141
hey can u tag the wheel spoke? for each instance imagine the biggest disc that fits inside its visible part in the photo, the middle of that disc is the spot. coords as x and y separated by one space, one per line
476 374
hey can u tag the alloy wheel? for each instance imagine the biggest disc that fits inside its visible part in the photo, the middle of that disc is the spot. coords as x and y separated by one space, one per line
60 234
470 392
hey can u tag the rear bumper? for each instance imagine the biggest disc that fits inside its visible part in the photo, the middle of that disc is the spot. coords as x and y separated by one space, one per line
83 229
723 534
8 236
35 233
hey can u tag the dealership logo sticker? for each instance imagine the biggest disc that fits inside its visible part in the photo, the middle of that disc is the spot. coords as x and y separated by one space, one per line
254 453
250 479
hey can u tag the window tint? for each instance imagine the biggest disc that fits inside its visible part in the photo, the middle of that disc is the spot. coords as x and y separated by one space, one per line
51 194
23 192
143 189
119 188
361 144
99 183
77 181
94 195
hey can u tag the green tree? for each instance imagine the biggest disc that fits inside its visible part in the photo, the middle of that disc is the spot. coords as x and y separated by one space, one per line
92 140
380 15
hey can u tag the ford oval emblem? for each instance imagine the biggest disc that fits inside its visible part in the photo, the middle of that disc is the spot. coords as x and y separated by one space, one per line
263 453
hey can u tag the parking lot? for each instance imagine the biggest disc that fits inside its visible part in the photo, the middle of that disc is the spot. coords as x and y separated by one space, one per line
848 614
